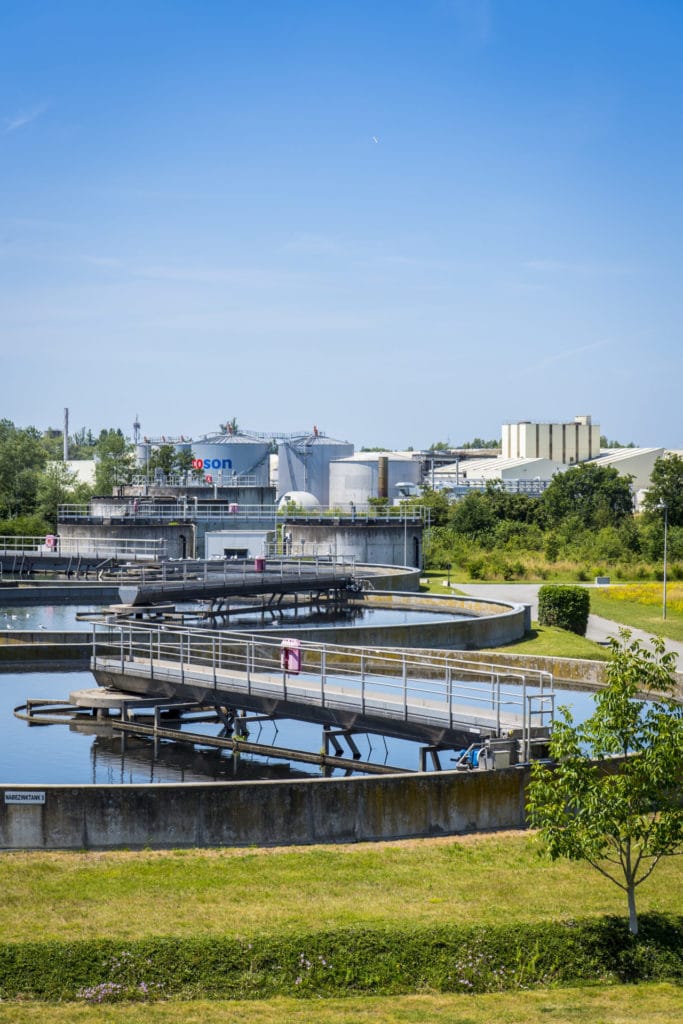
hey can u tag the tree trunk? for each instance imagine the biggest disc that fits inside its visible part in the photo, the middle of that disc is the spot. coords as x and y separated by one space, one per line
632 916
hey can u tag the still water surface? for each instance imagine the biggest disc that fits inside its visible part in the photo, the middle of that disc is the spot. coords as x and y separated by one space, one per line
94 753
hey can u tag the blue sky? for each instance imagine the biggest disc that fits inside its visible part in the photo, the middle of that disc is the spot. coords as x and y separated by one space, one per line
401 221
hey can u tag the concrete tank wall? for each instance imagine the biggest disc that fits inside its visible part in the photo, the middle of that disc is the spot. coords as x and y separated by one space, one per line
179 540
262 813
489 624
387 543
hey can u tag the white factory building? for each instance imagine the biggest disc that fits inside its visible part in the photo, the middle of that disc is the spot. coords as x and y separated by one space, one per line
563 443
533 452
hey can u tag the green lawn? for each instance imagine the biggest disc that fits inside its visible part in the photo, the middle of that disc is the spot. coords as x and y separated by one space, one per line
638 615
558 643
476 879
600 1004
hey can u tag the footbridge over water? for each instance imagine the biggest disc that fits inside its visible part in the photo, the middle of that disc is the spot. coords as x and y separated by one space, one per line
437 699
203 580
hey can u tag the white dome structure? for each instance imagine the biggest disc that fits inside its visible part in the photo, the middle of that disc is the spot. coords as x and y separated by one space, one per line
304 499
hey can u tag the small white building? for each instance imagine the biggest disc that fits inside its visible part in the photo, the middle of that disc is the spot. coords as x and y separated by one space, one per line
237 543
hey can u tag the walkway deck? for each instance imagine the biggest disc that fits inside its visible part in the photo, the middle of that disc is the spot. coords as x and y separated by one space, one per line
421 697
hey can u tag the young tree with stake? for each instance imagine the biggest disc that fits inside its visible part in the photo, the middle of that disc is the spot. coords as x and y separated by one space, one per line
613 794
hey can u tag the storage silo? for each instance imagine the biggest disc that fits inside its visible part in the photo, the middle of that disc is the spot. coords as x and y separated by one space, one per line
357 479
304 463
233 457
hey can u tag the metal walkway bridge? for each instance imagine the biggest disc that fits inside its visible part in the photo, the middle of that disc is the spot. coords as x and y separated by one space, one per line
422 696
208 580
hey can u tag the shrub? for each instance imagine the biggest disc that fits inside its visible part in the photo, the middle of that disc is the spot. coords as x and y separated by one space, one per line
476 567
566 607
446 958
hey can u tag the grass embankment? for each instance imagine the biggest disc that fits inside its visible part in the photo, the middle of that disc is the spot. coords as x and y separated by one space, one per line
640 605
456 915
632 1004
194 893
549 641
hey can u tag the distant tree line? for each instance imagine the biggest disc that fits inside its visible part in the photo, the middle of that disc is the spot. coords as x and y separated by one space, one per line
585 516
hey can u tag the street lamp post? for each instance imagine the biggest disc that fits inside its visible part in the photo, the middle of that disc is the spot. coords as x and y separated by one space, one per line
665 509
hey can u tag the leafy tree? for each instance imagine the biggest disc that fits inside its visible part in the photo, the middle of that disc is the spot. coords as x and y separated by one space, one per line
58 485
115 461
479 442
613 796
604 443
436 501
666 486
183 462
162 458
22 456
474 516
82 444
595 495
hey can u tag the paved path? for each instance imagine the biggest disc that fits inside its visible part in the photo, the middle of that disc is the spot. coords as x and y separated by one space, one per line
599 629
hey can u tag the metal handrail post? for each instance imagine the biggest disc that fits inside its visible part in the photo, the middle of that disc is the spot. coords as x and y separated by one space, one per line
362 683
121 639
213 659
151 655
405 690
449 695
323 674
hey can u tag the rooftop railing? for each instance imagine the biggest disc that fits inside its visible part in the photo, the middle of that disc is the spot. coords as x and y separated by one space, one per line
200 511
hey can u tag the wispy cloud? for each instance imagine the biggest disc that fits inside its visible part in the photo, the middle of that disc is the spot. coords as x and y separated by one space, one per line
106 262
313 245
13 124
241 276
592 268
563 356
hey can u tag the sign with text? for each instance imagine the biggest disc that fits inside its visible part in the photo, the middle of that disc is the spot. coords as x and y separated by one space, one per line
19 796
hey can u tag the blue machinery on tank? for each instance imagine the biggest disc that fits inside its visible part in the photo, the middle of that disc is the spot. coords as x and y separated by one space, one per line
437 699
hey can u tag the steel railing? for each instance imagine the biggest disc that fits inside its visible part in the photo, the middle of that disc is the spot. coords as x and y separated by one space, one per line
91 547
141 508
423 689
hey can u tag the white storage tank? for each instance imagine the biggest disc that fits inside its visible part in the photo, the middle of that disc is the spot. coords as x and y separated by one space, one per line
304 463
357 479
233 457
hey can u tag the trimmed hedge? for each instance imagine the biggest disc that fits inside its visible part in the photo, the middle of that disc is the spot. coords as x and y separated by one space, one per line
566 607
354 960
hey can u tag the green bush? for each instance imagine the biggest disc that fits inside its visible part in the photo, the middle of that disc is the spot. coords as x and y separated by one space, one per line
566 607
447 958
476 567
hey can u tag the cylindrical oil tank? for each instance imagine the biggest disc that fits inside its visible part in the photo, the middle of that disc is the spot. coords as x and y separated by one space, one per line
356 479
304 463
229 457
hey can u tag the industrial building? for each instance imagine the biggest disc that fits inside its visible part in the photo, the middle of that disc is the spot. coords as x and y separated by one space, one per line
533 452
563 443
